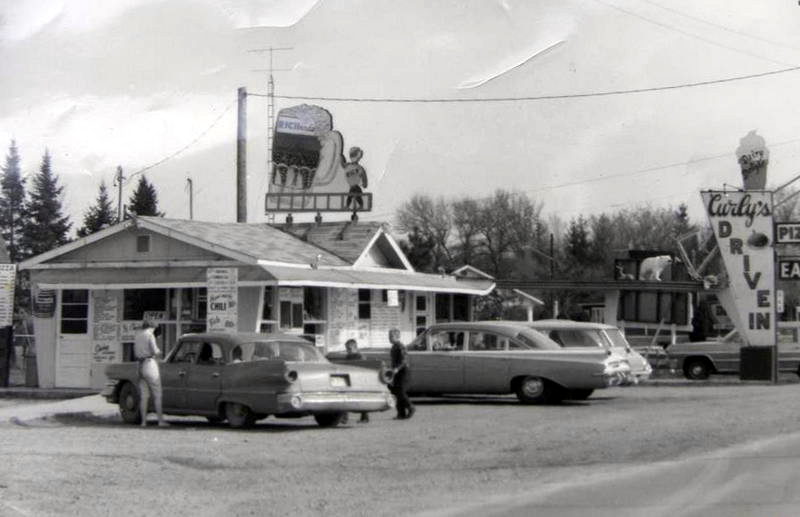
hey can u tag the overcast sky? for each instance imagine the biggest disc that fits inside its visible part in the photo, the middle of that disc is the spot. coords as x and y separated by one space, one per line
131 82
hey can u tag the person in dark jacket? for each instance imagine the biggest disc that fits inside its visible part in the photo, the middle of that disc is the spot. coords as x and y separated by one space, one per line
401 377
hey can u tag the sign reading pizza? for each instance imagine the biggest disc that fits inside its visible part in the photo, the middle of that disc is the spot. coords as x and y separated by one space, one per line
743 225
787 233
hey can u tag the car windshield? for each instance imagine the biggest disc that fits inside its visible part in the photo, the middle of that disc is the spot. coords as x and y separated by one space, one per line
616 337
281 351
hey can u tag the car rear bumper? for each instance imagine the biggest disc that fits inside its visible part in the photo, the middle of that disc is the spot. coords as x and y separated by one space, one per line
336 401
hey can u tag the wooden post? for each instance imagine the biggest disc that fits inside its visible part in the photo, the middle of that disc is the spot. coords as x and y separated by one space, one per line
241 157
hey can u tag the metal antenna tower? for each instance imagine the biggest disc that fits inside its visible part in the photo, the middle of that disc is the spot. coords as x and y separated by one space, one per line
271 97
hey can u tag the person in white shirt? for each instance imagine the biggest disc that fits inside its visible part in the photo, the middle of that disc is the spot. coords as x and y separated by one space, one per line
146 350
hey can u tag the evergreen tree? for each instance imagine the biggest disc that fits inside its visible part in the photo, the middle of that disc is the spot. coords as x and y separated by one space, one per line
46 226
144 200
12 204
99 216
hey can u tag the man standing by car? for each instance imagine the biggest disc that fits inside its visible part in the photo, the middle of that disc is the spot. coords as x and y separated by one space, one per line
146 350
401 377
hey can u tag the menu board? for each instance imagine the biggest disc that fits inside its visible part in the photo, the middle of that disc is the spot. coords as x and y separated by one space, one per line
343 322
105 326
8 273
44 303
223 299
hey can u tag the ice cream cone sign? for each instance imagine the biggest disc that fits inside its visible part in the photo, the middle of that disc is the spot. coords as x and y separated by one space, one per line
753 157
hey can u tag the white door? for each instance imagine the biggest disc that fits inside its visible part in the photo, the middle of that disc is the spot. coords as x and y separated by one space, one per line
73 351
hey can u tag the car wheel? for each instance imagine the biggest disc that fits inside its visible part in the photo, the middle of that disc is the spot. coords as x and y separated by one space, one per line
578 394
329 419
239 415
696 369
215 419
129 404
535 390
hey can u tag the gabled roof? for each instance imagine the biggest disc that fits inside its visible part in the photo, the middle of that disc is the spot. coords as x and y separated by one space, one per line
262 242
344 239
325 245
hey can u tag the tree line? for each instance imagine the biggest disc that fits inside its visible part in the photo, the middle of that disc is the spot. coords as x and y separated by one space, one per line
32 218
507 236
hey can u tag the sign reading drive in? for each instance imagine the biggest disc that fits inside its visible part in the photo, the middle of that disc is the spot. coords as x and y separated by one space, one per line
742 224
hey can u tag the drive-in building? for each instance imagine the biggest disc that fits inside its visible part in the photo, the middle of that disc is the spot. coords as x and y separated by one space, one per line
325 281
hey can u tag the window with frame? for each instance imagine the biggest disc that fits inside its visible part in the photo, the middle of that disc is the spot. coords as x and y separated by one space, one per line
447 341
74 311
653 307
138 301
486 342
364 304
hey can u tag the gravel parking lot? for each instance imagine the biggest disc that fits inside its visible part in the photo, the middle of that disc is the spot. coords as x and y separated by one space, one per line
454 453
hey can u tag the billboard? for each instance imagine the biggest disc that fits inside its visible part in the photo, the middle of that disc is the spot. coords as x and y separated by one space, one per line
742 224
309 169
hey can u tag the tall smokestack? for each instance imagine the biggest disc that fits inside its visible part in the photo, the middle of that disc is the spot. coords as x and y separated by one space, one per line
241 157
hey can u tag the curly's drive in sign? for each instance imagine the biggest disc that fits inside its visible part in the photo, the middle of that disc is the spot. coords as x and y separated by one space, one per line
742 224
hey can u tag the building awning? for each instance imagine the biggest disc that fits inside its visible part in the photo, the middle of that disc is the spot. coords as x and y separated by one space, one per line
173 277
377 279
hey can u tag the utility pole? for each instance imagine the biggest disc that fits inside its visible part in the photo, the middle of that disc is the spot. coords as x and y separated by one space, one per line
271 98
118 179
241 157
191 198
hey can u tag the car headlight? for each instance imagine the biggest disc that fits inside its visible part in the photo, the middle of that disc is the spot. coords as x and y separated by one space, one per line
290 376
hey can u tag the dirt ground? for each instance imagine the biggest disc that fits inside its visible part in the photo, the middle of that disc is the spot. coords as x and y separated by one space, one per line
455 452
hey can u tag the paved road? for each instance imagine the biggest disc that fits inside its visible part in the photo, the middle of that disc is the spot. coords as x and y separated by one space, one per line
757 479
454 456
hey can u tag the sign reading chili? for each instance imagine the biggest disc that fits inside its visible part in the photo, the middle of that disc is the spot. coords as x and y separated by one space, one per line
743 225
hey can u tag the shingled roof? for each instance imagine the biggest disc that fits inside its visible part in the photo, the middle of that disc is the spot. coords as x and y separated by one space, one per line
261 241
344 239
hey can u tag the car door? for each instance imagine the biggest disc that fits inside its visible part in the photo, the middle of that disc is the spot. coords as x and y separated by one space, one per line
204 378
485 364
439 368
173 375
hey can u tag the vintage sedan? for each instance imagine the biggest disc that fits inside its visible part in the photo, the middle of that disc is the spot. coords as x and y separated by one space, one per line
244 377
582 334
503 357
699 359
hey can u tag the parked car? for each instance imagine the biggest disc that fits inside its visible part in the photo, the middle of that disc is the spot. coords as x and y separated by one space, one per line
278 375
697 360
582 334
503 357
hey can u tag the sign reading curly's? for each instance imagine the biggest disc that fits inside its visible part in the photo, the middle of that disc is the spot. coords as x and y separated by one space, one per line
742 224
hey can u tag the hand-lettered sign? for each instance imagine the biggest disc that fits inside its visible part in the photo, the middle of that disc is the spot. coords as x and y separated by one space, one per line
743 225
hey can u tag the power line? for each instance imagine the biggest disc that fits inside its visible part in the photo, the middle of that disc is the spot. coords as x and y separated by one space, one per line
691 35
185 147
619 175
719 26
537 97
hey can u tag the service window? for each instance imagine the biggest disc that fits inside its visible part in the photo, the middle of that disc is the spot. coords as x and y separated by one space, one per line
486 342
138 301
447 341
